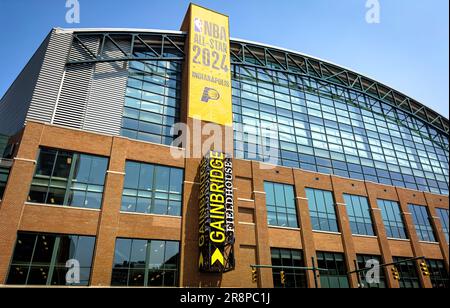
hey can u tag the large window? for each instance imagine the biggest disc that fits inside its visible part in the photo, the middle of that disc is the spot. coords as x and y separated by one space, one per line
409 277
40 259
67 178
280 201
5 166
358 210
152 101
368 262
322 210
438 274
331 129
443 216
336 274
392 219
145 263
289 258
152 189
422 223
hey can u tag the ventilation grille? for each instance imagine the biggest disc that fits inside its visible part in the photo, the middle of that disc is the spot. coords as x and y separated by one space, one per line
72 101
45 94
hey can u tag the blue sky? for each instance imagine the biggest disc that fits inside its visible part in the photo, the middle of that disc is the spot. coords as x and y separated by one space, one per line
408 50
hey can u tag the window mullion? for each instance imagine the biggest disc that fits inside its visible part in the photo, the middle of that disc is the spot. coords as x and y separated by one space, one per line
163 269
69 180
152 198
129 262
51 175
53 260
147 260
31 260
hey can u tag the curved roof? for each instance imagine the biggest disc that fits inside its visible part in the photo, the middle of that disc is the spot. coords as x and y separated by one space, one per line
265 56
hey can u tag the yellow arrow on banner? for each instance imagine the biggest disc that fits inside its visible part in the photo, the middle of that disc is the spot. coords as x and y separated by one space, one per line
217 256
200 261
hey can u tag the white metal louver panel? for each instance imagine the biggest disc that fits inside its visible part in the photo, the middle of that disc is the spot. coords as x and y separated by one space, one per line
47 87
73 97
72 101
105 104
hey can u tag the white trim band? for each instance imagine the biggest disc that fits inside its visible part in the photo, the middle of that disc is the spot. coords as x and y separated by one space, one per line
284 228
245 200
65 207
26 160
192 183
428 242
327 232
259 192
398 239
365 236
115 172
247 223
150 215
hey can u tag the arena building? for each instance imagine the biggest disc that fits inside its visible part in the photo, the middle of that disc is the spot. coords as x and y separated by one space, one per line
90 187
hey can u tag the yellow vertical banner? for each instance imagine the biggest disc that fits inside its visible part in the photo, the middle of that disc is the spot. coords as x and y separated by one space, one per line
209 79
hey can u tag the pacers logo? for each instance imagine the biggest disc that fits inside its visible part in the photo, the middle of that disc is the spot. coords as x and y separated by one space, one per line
210 94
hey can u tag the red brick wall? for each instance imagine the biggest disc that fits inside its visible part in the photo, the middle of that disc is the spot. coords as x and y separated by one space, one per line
254 237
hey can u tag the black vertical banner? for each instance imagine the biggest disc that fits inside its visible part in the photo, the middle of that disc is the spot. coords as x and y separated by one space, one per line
216 214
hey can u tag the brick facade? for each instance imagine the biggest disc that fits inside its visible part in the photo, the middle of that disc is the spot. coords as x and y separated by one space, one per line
254 237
